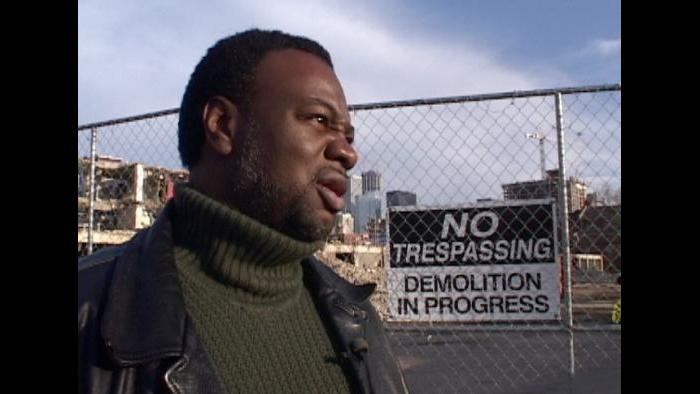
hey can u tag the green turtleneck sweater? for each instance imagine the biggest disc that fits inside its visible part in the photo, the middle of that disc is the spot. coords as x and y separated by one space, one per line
243 288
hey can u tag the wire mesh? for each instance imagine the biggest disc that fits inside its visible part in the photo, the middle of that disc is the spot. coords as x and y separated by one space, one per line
454 211
136 166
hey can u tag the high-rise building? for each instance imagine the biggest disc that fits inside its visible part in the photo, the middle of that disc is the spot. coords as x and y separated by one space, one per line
368 206
354 191
371 181
547 188
397 198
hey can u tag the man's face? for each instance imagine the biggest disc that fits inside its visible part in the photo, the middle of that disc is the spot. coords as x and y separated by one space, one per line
289 165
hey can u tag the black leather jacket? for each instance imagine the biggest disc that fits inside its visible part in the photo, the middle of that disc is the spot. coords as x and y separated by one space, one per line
134 335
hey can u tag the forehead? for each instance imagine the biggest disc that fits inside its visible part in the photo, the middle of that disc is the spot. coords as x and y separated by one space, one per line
291 75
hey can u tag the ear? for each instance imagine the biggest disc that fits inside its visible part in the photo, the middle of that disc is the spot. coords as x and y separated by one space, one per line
221 120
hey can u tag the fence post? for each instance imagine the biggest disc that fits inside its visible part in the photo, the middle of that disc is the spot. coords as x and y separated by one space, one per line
91 180
564 209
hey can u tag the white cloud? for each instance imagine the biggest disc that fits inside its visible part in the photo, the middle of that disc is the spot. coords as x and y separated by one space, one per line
609 47
137 59
602 48
376 62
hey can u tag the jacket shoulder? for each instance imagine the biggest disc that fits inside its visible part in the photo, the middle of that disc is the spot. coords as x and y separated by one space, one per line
102 256
94 273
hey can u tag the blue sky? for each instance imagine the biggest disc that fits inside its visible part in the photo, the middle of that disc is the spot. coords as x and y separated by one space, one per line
135 57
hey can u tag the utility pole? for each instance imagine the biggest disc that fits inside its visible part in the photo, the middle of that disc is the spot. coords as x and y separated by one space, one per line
539 137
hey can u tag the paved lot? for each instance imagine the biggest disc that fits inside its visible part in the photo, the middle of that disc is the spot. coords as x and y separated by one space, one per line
519 361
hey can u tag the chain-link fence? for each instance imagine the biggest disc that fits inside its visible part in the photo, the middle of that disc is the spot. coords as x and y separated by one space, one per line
490 280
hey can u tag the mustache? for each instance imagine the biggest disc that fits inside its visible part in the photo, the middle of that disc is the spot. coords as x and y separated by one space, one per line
329 171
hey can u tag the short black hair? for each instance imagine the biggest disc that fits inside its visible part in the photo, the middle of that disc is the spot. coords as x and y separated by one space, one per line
228 70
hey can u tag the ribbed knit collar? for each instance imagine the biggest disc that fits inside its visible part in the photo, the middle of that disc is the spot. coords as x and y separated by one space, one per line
236 250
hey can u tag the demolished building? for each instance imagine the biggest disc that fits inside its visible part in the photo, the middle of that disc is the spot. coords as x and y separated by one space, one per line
127 198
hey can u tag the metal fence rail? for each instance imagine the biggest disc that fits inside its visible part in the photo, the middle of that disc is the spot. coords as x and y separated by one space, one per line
474 182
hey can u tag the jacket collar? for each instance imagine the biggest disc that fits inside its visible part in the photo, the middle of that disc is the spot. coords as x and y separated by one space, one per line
145 314
322 279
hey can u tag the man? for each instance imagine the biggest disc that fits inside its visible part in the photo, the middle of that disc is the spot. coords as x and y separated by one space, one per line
221 294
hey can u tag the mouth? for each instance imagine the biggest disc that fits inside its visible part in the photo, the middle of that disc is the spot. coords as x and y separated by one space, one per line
332 186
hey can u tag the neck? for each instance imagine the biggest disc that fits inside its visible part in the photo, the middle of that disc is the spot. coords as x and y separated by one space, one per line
235 249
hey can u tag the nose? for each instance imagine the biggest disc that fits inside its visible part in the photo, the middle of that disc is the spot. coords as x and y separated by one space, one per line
342 151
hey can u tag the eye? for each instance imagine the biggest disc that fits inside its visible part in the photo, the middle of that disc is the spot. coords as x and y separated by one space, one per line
320 118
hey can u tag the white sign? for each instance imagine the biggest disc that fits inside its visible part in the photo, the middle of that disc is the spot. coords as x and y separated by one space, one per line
474 263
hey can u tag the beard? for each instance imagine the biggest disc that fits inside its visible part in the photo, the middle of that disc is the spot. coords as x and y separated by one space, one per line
252 192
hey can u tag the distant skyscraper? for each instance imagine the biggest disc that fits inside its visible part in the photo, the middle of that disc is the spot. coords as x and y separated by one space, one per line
368 206
371 181
354 191
397 198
